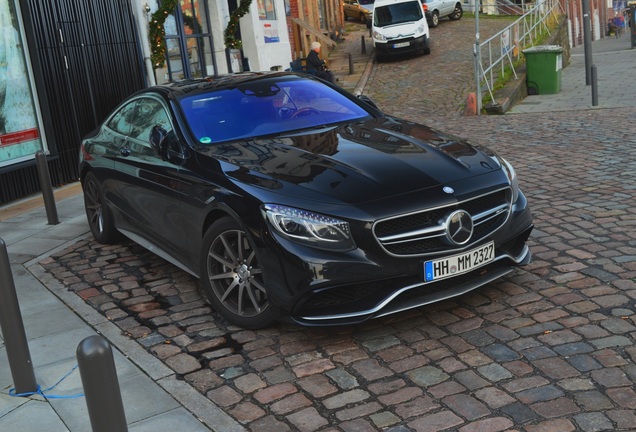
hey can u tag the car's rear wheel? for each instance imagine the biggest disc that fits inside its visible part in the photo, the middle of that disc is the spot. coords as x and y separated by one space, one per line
232 278
434 19
457 13
100 219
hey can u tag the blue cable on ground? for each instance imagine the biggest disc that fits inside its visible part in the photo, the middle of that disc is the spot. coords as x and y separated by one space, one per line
41 392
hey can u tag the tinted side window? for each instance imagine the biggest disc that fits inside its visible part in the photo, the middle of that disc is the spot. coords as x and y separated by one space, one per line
122 120
148 113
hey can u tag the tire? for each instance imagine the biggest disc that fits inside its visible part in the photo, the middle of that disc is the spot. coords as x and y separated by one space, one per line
363 18
427 49
100 218
434 19
231 276
457 13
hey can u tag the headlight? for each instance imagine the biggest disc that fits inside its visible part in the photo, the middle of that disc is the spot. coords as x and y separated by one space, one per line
308 228
512 177
378 36
420 30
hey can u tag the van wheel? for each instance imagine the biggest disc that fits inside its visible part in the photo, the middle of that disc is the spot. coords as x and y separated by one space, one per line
434 19
457 13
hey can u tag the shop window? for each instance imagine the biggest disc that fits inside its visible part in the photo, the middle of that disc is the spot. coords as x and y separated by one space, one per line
266 10
189 52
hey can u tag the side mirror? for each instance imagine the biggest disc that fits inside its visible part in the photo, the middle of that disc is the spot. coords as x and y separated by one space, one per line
166 145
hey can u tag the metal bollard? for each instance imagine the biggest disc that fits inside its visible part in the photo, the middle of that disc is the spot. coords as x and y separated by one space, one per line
13 329
351 68
47 189
101 387
594 86
364 45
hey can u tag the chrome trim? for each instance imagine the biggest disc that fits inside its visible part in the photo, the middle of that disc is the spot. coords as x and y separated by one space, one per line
157 251
430 231
494 212
443 295
422 231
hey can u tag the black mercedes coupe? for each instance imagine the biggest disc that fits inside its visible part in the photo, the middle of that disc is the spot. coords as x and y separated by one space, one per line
290 198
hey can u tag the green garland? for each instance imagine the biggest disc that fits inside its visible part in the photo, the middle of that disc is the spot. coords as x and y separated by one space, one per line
157 32
231 41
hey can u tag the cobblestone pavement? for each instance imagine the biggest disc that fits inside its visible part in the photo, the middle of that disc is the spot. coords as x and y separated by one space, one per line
548 348
442 80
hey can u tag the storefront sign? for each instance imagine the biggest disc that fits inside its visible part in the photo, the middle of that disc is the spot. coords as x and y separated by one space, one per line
19 131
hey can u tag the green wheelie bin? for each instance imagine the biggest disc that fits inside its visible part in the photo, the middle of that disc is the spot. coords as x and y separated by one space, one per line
543 69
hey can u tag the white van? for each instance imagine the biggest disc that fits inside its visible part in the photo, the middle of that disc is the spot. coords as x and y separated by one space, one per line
399 26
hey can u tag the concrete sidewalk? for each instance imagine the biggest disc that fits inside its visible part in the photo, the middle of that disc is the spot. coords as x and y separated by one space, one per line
615 62
56 321
352 59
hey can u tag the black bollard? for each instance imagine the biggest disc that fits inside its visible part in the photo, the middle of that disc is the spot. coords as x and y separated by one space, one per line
47 189
13 330
364 46
101 387
351 68
594 86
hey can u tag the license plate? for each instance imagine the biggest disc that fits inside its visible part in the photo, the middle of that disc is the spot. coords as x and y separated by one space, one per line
457 264
401 45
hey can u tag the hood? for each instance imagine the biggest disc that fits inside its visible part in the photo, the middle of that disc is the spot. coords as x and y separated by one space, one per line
399 30
354 163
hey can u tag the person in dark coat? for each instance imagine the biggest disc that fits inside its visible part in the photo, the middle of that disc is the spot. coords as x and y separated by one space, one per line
314 63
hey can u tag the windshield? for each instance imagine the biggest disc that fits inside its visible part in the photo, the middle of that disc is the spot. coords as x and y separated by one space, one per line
366 2
266 107
397 13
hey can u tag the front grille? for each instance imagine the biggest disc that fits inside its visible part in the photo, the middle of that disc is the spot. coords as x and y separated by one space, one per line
400 39
424 232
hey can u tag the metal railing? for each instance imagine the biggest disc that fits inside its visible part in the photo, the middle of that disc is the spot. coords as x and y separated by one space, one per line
502 50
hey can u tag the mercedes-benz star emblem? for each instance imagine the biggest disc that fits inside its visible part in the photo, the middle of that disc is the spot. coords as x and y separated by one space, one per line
459 227
448 189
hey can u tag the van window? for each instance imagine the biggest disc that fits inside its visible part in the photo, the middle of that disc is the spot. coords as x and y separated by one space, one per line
397 13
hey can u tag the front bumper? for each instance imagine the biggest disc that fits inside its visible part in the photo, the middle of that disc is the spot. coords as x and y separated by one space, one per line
401 46
381 298
321 288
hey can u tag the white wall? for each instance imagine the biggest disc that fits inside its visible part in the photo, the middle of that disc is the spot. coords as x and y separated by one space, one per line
263 55
219 17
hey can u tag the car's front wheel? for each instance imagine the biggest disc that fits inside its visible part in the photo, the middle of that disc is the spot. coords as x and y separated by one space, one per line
100 219
232 278
457 13
434 19
363 18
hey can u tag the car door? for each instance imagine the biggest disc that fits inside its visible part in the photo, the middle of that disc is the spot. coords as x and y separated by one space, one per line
348 8
446 7
149 190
